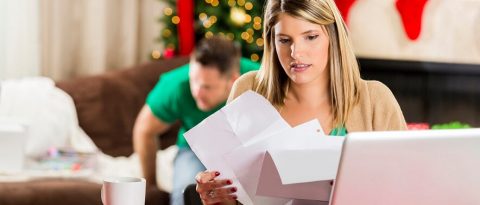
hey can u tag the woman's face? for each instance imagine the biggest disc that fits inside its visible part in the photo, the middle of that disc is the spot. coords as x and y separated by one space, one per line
302 48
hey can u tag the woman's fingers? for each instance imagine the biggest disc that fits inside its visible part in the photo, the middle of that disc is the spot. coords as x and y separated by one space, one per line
213 190
219 195
225 192
203 177
203 187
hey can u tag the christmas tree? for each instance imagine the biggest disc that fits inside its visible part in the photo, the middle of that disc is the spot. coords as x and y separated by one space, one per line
237 20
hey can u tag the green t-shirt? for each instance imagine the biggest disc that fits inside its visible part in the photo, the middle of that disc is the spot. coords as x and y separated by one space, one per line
171 99
339 131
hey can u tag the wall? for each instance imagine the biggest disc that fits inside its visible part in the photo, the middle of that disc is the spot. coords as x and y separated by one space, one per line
450 31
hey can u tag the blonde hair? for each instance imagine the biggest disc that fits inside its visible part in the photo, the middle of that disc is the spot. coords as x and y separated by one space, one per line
343 66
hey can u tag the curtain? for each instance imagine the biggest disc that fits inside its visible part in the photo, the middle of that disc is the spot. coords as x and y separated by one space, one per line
19 41
92 36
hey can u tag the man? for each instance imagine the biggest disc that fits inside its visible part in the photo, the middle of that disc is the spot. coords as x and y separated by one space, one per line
187 94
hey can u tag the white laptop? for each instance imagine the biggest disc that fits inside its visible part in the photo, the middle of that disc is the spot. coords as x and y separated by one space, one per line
12 147
431 167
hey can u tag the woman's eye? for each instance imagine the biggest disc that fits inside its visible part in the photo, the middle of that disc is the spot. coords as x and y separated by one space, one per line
312 37
283 41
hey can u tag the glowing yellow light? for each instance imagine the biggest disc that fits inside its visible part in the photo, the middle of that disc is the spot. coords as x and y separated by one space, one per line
208 1
167 32
156 54
168 11
221 33
248 18
259 42
250 31
207 24
212 19
209 34
249 6
241 2
202 16
237 15
257 19
175 20
231 3
230 36
254 57
215 3
245 35
257 26
250 39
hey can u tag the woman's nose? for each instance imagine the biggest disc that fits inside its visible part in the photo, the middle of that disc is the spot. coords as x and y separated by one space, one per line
296 51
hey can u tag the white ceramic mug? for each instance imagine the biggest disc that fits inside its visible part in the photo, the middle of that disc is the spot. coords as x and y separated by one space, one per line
123 191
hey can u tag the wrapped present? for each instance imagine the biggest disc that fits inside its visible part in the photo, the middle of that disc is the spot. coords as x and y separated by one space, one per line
418 126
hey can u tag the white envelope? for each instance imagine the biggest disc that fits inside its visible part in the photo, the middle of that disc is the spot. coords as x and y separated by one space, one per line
247 161
270 184
309 164
301 173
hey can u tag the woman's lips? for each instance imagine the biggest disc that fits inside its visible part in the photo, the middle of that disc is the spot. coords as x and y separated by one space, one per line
300 67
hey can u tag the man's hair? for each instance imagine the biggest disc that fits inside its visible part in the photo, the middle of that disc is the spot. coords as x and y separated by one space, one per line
218 52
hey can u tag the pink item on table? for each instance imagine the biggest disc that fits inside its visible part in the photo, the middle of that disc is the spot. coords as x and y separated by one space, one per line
418 126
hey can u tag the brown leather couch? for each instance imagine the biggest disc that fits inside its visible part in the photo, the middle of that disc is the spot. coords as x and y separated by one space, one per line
107 106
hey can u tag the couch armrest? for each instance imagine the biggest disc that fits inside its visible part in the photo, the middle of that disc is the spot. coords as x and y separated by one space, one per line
64 191
107 105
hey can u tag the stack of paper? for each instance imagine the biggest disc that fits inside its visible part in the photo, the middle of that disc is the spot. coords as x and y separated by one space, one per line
269 161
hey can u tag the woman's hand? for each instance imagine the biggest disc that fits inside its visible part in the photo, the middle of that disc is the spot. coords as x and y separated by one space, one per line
214 191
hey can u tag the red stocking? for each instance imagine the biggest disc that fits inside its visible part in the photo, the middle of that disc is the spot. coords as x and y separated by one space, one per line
186 38
344 7
411 12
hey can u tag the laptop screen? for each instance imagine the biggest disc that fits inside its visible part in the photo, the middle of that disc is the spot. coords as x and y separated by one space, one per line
431 167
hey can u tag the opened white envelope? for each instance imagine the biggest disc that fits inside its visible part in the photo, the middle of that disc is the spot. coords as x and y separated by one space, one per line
301 173
232 126
308 165
270 185
246 161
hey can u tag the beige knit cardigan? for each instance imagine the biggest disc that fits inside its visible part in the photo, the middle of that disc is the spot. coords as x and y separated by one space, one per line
377 109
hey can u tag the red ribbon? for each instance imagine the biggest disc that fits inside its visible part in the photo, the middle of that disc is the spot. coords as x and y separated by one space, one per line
186 34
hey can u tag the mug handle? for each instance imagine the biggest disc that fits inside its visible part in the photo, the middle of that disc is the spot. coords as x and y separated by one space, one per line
102 195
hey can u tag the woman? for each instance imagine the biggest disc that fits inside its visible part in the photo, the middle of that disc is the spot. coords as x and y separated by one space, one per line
309 71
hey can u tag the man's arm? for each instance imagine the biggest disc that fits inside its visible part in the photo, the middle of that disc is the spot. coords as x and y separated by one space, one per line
145 132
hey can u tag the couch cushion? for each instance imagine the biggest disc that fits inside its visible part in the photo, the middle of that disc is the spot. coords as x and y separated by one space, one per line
64 192
107 104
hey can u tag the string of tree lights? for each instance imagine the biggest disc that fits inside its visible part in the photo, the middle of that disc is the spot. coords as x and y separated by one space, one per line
237 20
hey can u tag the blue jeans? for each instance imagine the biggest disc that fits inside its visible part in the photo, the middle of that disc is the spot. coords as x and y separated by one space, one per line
185 166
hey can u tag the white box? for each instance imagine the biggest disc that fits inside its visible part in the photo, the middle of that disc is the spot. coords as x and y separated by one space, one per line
12 146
